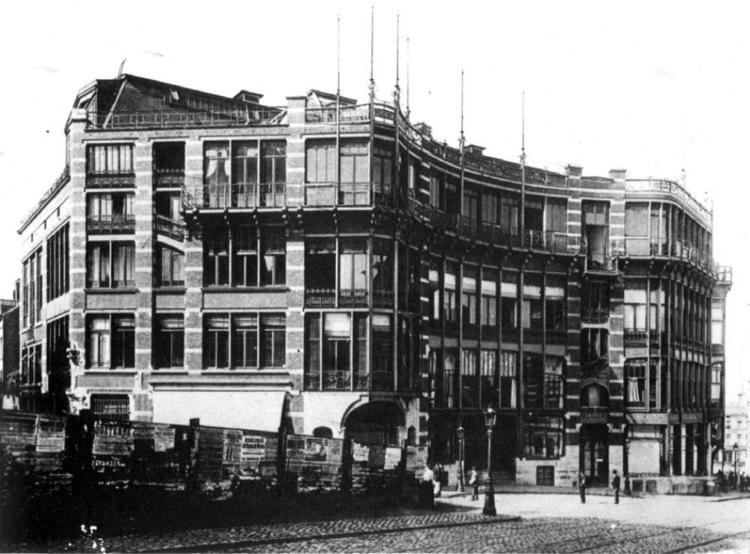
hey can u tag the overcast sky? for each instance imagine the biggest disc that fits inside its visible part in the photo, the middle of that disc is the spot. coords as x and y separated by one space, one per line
646 86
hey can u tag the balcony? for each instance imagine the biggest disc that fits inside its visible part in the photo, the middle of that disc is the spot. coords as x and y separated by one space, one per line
169 227
320 298
244 116
165 178
717 350
594 315
382 298
240 196
636 338
114 224
353 298
662 185
110 180
337 380
594 414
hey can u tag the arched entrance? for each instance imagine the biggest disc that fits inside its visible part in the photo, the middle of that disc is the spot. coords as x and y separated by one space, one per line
594 447
375 423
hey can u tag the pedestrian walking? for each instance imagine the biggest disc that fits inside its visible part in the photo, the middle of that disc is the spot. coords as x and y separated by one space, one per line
616 486
474 482
437 484
582 486
426 488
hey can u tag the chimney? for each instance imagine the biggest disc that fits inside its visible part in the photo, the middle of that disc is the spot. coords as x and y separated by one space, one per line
618 175
474 150
424 129
248 97
573 171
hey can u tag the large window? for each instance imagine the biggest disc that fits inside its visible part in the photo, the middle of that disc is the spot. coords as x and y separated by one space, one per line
469 312
31 365
243 341
555 320
58 278
355 173
509 305
382 173
450 313
236 162
554 382
32 288
353 272
110 159
635 382
336 355
636 228
595 302
594 350
556 215
469 379
487 372
488 307
510 209
258 257
320 272
110 265
171 267
635 313
449 379
532 310
169 341
508 379
110 213
110 341
543 437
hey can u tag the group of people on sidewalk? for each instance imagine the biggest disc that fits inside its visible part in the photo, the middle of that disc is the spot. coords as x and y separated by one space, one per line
582 486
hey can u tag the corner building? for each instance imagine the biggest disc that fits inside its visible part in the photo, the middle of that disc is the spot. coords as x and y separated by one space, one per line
330 266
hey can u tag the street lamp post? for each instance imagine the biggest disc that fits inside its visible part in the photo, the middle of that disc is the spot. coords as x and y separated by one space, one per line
490 417
460 471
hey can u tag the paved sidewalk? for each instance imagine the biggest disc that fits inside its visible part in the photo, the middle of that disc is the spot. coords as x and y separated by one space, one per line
257 535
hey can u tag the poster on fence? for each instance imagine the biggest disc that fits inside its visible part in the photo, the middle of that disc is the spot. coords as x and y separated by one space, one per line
112 438
377 456
163 437
416 459
50 436
392 457
210 454
360 452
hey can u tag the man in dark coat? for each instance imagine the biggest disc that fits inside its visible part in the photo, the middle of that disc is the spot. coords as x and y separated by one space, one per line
582 486
616 486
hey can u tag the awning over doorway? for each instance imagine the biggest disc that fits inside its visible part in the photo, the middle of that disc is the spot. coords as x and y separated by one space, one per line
255 410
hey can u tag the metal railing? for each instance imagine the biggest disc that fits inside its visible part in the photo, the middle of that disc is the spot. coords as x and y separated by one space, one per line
238 117
594 315
349 194
347 114
110 180
165 177
663 185
234 196
167 226
635 338
352 298
112 224
337 380
320 298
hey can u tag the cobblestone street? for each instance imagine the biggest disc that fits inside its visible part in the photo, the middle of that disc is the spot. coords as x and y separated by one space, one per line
534 523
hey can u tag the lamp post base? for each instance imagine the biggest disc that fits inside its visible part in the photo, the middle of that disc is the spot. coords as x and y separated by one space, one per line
489 501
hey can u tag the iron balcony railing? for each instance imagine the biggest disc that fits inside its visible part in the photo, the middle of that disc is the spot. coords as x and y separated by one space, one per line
240 196
320 298
165 177
337 380
636 338
663 185
169 227
162 119
351 298
110 180
347 114
594 414
382 298
111 224
594 315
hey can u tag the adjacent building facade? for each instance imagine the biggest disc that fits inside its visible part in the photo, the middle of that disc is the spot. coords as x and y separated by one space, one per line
736 440
330 267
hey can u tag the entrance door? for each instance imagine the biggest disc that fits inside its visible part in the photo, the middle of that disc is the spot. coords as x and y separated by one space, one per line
595 454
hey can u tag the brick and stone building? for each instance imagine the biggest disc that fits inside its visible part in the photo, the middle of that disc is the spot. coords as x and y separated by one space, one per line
329 266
